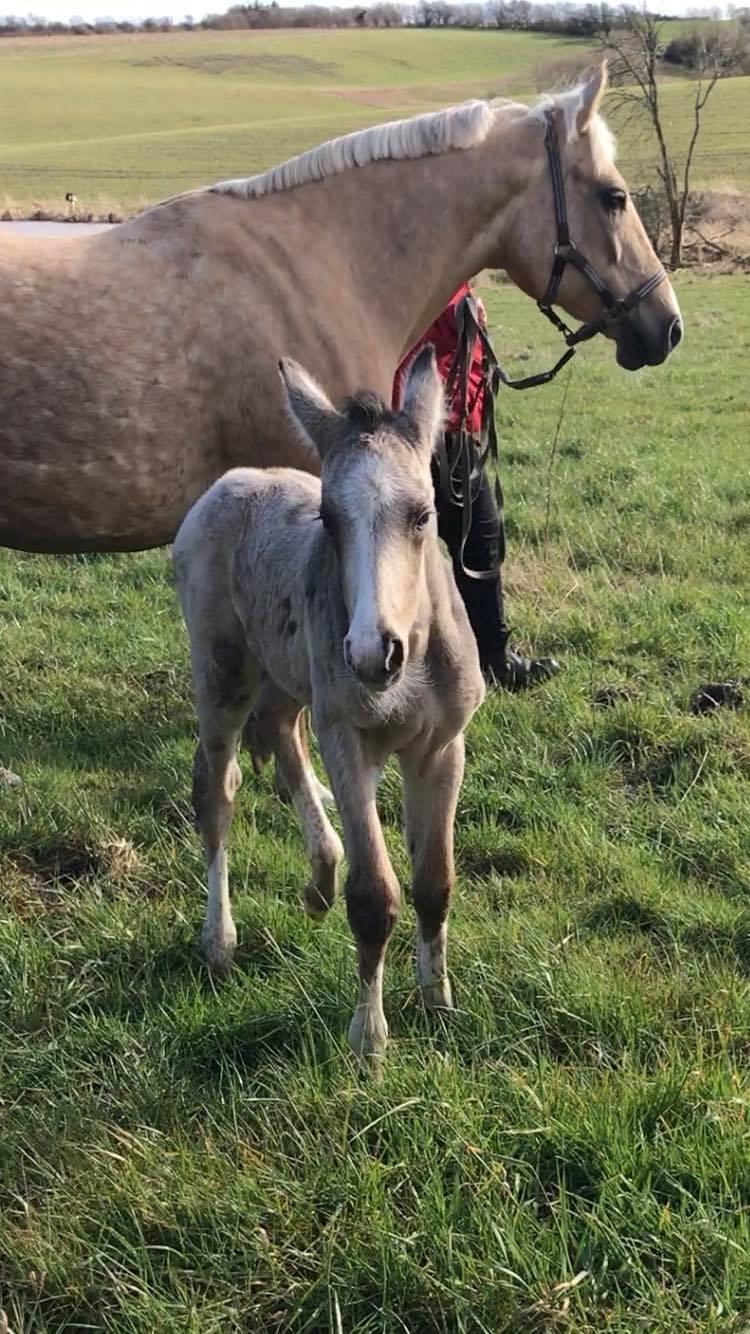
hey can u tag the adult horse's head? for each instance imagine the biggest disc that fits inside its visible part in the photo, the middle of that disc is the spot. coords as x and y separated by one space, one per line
377 506
573 237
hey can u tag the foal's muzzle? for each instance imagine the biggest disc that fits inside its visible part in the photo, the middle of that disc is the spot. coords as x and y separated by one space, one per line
377 663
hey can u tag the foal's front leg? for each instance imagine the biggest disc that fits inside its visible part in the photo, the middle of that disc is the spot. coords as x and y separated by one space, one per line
431 786
373 894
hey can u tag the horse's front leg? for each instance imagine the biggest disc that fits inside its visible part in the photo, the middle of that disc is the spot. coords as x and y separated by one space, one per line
431 786
373 893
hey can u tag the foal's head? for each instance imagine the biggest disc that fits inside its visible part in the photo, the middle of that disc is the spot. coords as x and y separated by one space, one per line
377 507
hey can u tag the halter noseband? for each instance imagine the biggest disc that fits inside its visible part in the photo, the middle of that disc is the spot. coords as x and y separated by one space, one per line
566 252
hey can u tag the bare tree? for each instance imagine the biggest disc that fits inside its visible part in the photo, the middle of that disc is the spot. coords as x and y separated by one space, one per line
635 52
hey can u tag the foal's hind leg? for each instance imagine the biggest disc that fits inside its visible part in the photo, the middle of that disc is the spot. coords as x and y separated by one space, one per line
279 727
225 677
258 734
432 784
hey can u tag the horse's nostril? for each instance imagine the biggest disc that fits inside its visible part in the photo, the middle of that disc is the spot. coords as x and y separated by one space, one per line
394 655
348 654
674 337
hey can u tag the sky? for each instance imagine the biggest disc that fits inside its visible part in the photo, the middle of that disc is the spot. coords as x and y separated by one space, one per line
177 9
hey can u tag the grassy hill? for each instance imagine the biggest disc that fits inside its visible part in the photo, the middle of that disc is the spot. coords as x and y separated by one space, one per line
128 120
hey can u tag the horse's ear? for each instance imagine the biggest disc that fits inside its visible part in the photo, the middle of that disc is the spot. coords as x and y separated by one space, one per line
424 401
592 93
310 409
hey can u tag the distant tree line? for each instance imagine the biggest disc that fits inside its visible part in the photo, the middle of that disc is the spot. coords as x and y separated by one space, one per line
561 17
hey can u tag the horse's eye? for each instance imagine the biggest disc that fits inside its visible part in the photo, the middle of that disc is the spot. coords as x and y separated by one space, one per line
421 520
613 199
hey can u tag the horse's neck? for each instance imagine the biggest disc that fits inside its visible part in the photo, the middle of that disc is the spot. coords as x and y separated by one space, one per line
413 231
383 247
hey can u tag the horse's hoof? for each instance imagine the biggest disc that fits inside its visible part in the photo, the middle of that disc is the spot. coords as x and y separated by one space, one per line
437 996
219 951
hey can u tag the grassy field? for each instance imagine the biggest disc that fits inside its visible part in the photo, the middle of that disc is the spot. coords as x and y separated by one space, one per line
572 1151
126 121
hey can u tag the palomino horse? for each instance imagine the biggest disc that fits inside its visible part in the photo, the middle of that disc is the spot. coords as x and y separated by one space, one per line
358 616
136 366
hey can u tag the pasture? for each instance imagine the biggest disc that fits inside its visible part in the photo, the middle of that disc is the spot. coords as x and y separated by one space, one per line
571 1151
125 121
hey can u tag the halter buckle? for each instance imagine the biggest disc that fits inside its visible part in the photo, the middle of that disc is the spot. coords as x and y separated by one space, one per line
616 311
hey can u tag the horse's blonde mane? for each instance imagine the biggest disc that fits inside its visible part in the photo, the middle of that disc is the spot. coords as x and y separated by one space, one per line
433 132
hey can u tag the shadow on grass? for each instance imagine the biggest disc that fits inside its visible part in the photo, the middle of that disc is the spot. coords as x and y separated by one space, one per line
115 745
626 915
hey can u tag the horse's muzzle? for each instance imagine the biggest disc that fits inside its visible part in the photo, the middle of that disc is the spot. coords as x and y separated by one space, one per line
641 344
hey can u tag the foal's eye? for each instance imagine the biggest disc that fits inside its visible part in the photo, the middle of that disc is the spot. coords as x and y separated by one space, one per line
422 519
327 520
613 199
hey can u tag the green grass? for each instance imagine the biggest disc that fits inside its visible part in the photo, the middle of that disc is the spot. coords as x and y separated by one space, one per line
572 1150
125 121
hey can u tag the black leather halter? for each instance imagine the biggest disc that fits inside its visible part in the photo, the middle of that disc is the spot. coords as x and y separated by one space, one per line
566 252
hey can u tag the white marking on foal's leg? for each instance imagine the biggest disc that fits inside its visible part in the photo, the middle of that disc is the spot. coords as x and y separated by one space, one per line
432 970
219 932
368 1030
323 793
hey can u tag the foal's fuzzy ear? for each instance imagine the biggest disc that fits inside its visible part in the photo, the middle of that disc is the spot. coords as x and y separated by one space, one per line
424 401
592 93
310 409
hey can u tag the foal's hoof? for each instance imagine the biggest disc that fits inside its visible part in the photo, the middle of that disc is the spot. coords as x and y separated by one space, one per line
320 894
316 905
219 948
368 1035
438 996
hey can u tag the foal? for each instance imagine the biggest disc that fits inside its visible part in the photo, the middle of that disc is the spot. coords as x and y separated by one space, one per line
335 593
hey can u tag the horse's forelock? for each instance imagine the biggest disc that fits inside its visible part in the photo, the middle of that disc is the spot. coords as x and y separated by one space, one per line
569 103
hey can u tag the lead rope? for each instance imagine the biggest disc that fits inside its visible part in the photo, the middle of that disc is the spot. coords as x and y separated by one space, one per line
461 472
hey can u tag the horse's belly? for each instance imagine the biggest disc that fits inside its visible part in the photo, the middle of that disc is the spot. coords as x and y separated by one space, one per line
78 509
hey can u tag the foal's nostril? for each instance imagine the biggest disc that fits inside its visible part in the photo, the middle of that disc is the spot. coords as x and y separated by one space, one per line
674 335
348 654
394 655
